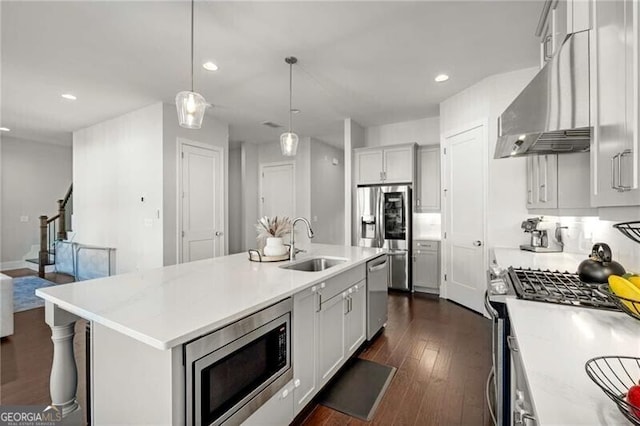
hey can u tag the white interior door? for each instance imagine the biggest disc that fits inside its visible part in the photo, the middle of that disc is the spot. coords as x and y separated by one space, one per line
277 190
465 224
202 221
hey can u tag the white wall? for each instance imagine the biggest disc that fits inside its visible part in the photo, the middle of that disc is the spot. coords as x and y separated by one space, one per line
327 193
250 210
271 153
583 232
425 131
506 204
213 132
117 183
34 176
354 137
235 201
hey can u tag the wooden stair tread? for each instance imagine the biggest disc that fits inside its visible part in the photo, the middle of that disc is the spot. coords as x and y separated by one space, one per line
49 263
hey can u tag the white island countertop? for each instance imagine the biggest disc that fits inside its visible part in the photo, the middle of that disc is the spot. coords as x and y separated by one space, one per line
555 342
166 307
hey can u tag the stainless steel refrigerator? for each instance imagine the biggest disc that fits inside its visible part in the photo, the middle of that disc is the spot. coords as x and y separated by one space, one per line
384 220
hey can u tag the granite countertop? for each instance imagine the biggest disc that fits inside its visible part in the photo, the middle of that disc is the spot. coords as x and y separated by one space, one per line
555 342
166 307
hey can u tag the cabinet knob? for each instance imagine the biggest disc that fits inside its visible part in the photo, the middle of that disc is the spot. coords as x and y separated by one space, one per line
296 383
350 290
356 287
285 393
323 285
344 295
477 243
313 289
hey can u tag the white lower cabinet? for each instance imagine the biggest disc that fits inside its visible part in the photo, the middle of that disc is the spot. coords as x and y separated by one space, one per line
355 318
305 341
277 411
329 324
426 266
331 333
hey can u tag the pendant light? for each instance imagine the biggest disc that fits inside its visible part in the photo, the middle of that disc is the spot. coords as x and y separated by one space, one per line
190 105
289 140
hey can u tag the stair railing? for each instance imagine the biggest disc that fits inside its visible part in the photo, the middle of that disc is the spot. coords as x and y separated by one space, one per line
48 234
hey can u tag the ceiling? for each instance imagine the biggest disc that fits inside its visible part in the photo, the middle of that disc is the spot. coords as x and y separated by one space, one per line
372 61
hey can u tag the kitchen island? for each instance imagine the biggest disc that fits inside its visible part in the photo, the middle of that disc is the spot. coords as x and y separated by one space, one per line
141 320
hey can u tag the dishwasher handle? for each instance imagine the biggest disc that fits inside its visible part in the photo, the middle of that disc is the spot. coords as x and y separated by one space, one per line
378 267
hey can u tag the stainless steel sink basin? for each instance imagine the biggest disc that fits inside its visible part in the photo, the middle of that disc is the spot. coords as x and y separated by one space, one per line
315 264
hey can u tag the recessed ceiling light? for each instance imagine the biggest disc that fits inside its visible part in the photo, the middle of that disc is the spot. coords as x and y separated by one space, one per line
210 66
441 78
295 111
5 129
69 96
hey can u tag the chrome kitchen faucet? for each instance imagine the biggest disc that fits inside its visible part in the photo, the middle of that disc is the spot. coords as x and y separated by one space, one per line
292 249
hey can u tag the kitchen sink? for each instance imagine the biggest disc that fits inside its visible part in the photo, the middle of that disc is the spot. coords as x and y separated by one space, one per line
315 264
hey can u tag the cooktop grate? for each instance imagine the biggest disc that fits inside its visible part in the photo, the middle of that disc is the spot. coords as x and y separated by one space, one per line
557 287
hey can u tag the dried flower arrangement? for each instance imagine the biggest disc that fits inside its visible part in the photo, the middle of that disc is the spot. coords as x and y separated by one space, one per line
269 227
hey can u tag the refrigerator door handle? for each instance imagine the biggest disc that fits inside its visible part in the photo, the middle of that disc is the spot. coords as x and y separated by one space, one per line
380 213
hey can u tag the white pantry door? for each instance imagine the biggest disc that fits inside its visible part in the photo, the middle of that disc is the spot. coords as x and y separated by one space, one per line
277 190
465 217
202 220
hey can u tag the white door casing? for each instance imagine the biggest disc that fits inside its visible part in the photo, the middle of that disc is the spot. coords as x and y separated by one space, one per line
200 201
277 189
464 201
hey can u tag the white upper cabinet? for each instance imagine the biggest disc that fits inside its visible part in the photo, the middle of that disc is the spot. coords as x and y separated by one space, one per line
557 185
561 18
427 189
542 181
398 164
369 166
385 165
615 159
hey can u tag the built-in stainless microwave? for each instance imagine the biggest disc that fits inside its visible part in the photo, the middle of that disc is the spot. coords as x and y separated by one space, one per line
231 372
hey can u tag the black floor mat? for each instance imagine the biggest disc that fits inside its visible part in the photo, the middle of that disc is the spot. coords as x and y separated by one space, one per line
358 389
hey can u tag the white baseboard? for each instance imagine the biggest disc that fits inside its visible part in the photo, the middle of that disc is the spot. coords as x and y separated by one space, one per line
34 267
13 264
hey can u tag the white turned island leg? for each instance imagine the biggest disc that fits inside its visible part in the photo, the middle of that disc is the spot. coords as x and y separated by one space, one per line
63 383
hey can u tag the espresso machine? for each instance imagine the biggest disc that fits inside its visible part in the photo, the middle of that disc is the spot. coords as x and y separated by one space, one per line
545 237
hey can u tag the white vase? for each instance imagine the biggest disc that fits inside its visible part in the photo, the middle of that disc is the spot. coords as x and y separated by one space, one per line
274 247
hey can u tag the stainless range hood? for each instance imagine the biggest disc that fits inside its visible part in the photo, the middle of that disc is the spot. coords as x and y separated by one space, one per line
551 115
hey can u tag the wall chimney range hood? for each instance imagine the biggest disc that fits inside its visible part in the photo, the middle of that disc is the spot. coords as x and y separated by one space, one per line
551 115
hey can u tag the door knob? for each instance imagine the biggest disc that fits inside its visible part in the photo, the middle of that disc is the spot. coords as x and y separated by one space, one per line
219 233
477 243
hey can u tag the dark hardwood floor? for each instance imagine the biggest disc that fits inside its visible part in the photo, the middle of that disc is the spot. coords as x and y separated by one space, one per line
26 356
443 355
442 352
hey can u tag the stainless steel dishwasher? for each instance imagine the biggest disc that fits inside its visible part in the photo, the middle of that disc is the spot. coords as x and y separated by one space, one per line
377 284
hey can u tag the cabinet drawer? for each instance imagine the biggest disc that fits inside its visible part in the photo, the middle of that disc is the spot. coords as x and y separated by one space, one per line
343 281
425 245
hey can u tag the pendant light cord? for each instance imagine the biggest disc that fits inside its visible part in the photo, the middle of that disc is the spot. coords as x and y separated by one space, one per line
192 7
290 93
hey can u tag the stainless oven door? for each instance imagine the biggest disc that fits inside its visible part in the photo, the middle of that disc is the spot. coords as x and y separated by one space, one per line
230 373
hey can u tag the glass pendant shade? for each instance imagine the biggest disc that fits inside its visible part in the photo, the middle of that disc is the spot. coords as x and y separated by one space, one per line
289 144
190 106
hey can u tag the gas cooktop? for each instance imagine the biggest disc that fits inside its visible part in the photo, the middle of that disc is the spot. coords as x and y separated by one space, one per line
557 287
